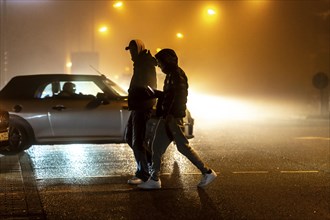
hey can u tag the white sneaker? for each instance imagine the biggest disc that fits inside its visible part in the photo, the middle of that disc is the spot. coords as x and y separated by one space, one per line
207 179
150 184
134 181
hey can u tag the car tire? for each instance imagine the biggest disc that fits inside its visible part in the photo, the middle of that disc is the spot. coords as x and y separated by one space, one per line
19 140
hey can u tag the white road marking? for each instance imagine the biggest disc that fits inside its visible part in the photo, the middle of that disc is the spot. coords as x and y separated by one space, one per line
299 171
250 172
313 138
281 171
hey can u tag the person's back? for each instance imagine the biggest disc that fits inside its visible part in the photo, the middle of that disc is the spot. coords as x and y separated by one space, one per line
144 75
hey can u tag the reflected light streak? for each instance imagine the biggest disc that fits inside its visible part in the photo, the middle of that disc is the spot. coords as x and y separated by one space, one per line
75 155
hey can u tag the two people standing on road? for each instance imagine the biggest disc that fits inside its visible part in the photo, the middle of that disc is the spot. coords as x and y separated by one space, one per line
140 104
171 108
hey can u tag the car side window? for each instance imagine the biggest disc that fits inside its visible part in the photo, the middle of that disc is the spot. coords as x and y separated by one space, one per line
70 89
50 90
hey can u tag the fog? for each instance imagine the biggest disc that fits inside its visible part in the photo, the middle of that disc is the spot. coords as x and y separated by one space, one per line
255 50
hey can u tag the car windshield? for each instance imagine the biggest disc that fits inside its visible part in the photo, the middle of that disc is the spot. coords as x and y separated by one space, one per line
115 88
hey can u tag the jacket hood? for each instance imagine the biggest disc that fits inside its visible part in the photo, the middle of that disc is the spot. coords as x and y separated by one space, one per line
138 44
168 57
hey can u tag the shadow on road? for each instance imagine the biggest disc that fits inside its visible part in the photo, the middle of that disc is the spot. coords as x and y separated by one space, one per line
174 201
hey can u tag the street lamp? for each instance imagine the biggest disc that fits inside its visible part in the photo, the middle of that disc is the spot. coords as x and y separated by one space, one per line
118 4
211 12
103 29
179 35
68 66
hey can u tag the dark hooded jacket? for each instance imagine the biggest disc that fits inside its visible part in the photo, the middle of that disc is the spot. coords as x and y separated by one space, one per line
175 91
144 75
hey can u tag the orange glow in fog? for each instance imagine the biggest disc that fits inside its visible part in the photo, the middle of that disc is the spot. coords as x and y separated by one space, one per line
215 108
212 110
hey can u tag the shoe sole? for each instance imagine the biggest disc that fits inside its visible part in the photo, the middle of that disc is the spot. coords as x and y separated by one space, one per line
130 183
136 182
203 186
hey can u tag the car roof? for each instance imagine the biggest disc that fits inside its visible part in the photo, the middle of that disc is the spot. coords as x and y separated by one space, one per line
56 75
24 86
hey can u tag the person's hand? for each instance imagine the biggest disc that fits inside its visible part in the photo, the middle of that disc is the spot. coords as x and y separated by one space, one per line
158 93
150 92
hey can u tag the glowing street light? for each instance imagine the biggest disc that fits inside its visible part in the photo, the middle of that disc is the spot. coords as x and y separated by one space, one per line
68 64
103 29
118 4
179 35
211 12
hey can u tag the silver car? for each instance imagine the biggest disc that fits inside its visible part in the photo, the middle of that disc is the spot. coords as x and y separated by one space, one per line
43 110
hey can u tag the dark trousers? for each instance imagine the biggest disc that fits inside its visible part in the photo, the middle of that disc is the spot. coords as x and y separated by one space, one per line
168 130
135 137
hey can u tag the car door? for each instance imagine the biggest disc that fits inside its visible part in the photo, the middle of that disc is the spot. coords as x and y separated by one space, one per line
84 117
81 120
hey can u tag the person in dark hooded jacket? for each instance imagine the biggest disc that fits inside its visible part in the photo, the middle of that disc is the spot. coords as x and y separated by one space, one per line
140 104
171 108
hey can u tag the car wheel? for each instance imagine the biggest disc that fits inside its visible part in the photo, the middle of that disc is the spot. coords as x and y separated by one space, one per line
19 139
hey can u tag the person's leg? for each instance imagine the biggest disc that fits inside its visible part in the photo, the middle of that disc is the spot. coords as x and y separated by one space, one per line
159 145
145 144
139 120
128 131
175 126
129 139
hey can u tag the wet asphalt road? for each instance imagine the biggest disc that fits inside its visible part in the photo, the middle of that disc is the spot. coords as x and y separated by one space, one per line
265 171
